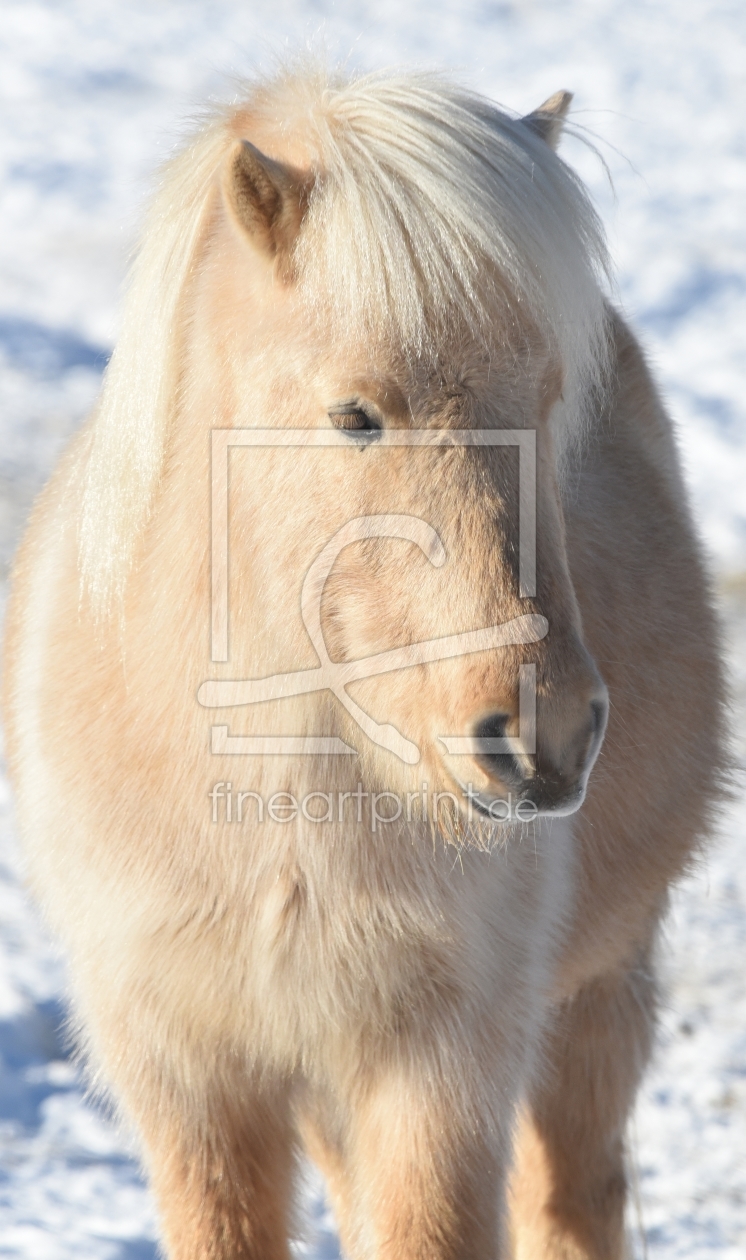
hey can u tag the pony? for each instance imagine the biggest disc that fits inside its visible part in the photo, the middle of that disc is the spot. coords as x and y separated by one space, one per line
363 685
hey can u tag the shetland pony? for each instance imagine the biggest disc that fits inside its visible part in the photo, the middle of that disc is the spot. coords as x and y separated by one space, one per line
303 740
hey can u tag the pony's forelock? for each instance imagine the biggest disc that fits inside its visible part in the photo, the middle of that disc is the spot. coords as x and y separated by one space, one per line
431 209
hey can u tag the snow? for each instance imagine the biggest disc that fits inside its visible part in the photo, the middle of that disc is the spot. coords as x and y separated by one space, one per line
93 96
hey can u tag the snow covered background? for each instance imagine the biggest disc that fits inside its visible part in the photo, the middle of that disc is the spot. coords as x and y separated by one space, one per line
93 96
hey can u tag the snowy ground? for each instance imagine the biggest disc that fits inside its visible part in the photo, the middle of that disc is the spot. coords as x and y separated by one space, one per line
93 95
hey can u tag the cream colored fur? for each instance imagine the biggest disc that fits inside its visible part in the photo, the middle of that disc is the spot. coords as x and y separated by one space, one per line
391 999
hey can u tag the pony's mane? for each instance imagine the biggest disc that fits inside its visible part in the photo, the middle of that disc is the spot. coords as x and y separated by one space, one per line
431 209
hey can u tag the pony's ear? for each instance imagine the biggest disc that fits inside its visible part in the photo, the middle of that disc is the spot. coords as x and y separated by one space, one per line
267 199
547 121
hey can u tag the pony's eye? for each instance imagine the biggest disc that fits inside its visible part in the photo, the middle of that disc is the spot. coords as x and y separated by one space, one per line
355 423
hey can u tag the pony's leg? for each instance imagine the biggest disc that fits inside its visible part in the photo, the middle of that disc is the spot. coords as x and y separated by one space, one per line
223 1178
419 1176
568 1189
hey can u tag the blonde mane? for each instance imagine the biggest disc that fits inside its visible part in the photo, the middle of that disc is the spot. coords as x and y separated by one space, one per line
430 206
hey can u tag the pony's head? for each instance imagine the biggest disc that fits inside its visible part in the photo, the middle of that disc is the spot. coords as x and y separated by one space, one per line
382 260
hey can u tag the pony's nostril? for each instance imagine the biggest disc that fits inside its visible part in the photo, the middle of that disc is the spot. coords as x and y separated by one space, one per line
599 718
599 711
495 753
491 728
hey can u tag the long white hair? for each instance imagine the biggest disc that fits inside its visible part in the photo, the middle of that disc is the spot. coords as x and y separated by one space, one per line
429 205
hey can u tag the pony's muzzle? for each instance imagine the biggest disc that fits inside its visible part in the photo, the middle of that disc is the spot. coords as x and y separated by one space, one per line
553 777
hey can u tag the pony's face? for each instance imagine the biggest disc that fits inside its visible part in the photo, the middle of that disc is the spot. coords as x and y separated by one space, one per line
387 539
